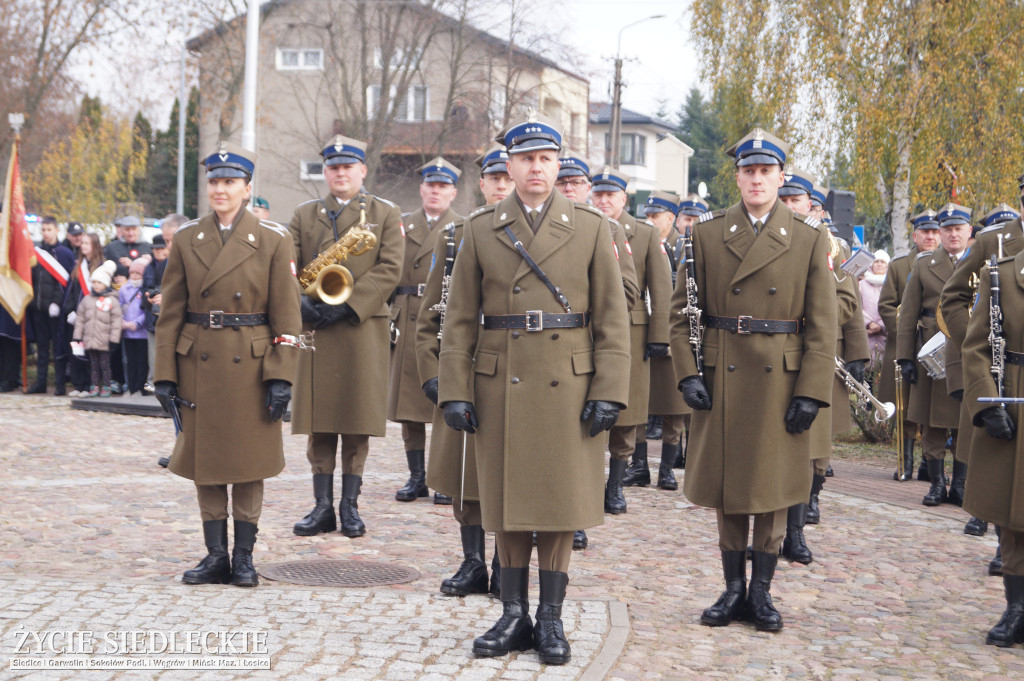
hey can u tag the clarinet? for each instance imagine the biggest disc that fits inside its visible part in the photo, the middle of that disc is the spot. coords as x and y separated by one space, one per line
446 281
693 311
995 332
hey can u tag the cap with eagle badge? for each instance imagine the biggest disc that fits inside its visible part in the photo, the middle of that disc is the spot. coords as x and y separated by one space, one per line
610 180
573 166
759 148
439 170
953 214
494 160
343 150
998 215
925 220
818 196
661 202
693 206
230 160
797 182
535 134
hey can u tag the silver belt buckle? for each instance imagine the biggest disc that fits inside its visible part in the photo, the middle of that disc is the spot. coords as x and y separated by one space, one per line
420 288
743 324
216 319
532 315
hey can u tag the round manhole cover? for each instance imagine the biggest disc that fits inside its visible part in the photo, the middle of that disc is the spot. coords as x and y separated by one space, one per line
343 573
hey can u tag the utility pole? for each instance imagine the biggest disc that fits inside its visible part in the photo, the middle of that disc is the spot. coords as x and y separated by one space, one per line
614 137
252 51
182 106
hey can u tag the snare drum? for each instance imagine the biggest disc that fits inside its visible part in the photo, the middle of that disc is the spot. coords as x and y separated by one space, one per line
932 356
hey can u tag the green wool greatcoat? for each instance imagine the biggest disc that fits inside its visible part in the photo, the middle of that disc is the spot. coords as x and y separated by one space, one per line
342 387
740 458
666 400
888 307
229 437
538 467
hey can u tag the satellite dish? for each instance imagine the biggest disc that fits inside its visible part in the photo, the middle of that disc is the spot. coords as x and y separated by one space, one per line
702 190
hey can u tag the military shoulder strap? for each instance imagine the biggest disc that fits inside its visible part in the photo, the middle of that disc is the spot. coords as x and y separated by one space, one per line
555 291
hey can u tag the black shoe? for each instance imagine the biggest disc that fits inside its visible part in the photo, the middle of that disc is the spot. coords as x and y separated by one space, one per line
416 487
442 499
654 424
908 461
351 524
956 485
730 604
1010 628
548 634
471 577
514 630
666 478
243 573
8 386
813 512
829 473
60 390
637 474
794 546
976 527
614 500
215 568
760 609
37 388
579 540
922 470
321 518
495 588
937 492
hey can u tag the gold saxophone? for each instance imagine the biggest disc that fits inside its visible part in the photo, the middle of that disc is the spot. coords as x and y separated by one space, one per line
324 278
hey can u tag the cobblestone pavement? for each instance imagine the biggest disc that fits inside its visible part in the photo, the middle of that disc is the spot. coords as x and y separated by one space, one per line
94 535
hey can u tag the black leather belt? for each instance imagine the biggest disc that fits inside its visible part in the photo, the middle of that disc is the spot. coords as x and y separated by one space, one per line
745 325
416 290
218 319
535 320
1015 358
927 312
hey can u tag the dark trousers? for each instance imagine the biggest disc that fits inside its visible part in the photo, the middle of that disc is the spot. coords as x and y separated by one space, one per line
49 332
99 364
10 361
136 356
78 367
116 363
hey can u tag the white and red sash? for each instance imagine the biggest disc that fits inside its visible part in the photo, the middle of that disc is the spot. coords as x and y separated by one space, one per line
51 265
84 276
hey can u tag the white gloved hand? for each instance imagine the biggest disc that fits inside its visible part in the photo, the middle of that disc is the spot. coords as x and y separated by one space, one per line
54 309
72 317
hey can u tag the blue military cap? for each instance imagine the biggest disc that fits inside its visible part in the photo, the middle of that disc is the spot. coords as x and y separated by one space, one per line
230 161
573 166
439 170
953 214
609 180
660 202
759 148
925 220
344 150
532 135
693 205
797 182
818 196
998 215
494 160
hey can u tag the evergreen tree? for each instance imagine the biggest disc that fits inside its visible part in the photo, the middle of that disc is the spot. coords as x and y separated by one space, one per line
699 126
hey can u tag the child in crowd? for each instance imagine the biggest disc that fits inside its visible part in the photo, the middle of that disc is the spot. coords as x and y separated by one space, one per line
133 328
97 325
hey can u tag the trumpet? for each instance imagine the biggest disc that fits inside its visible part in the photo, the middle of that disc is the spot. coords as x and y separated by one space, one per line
883 410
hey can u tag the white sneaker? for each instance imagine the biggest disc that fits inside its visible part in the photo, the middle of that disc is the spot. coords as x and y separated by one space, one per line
74 393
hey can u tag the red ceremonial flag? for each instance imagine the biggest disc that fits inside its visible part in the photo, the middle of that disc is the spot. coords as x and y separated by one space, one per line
17 252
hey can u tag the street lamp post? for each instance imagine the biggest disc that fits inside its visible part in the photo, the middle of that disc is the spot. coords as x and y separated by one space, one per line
616 128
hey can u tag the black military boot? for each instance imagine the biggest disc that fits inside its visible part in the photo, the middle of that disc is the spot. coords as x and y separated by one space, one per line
922 470
39 387
416 486
680 461
1010 628
637 474
760 610
956 485
730 604
351 524
666 478
908 461
514 629
579 540
495 588
937 492
614 501
548 635
976 527
471 577
794 547
654 424
995 566
243 573
813 512
442 499
215 568
321 518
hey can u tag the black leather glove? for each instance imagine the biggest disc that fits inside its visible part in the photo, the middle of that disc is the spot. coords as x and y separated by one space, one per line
461 416
908 371
998 423
695 393
801 414
656 350
331 314
856 369
165 392
308 308
605 414
430 389
957 395
279 394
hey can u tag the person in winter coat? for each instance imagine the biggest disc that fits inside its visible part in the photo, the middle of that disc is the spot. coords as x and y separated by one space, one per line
870 289
49 282
133 325
80 283
97 325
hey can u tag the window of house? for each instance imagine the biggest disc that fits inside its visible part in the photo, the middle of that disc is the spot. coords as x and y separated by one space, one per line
632 149
410 107
300 59
311 170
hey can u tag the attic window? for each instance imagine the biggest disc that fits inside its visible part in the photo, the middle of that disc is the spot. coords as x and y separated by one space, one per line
300 59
